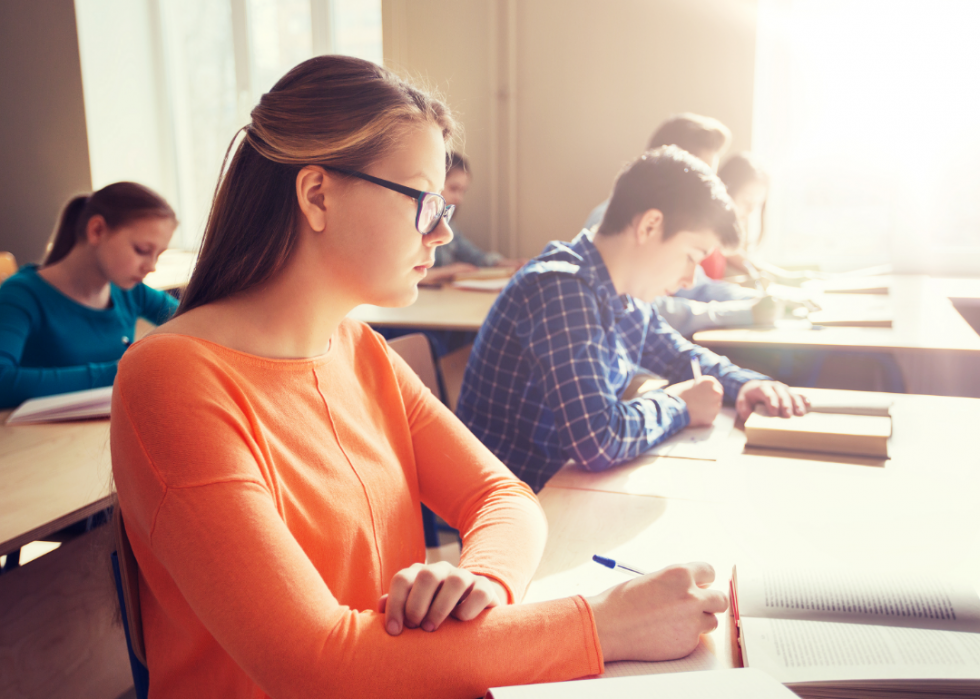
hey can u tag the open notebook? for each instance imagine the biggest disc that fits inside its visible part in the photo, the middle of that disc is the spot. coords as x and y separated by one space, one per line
79 405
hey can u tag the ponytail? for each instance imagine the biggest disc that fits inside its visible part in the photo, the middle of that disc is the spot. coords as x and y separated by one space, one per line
63 238
118 204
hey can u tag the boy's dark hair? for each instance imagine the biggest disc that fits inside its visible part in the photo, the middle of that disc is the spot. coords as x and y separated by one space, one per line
457 161
679 185
692 132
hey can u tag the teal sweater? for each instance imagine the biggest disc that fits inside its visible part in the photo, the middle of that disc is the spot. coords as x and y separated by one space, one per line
51 344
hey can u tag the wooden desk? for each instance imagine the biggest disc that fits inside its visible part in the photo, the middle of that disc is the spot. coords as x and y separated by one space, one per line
58 635
53 475
932 343
919 512
920 424
435 309
925 321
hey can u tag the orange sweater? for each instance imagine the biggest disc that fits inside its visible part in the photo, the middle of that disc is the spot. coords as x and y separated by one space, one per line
270 502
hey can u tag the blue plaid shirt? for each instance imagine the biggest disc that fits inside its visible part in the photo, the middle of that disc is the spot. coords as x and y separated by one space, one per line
557 350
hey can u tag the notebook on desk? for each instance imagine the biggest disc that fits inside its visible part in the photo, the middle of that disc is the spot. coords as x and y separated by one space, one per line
78 405
719 684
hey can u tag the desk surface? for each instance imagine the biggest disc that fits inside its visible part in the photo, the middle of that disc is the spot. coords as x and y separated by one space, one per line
53 475
924 321
435 309
918 510
931 437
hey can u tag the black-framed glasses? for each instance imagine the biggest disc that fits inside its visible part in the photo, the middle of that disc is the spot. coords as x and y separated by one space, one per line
430 206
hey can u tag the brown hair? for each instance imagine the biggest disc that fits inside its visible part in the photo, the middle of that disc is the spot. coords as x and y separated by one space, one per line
329 110
692 132
118 204
740 170
679 185
457 161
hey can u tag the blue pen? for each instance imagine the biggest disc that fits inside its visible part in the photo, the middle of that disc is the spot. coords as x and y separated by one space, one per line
610 563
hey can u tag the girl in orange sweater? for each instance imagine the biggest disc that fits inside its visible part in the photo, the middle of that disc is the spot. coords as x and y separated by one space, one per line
270 455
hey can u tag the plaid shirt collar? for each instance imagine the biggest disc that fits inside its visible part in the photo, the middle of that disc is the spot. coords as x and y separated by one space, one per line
594 270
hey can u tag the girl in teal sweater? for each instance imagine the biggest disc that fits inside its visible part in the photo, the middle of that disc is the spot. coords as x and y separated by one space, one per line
65 324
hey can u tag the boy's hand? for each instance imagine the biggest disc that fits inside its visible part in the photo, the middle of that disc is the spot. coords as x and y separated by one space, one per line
659 616
703 398
425 595
778 399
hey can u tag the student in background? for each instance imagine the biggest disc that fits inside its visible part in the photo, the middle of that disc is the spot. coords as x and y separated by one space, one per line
748 186
460 255
703 137
271 487
575 324
65 324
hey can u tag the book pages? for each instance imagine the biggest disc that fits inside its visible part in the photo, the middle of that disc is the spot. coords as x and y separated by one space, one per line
860 597
795 651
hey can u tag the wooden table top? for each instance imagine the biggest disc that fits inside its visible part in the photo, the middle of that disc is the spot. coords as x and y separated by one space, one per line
917 511
924 320
435 309
52 475
920 423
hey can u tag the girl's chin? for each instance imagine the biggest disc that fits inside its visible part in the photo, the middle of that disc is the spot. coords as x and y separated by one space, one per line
398 299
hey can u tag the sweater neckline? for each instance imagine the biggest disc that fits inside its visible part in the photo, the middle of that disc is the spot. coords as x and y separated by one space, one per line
52 290
283 363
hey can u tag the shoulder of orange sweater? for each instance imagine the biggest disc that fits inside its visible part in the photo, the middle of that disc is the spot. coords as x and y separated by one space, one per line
166 370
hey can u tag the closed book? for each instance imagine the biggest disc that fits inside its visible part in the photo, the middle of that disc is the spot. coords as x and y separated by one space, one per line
858 435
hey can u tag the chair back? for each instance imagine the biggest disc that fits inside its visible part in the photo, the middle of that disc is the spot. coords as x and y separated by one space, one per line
126 572
417 353
8 265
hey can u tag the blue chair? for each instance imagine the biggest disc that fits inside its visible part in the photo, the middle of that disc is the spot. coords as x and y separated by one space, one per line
126 572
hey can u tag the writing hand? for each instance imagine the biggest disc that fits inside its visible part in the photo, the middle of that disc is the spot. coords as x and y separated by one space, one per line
659 616
703 398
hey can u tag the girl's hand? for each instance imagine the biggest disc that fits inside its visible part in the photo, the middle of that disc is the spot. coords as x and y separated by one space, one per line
423 596
659 616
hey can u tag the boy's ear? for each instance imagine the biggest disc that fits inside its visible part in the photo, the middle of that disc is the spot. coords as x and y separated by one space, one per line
312 184
650 226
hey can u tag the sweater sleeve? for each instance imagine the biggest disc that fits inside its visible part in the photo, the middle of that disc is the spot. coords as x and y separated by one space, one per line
156 306
688 317
275 616
19 313
668 354
466 485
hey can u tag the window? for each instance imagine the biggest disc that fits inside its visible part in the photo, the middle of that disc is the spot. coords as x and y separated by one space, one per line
867 114
169 82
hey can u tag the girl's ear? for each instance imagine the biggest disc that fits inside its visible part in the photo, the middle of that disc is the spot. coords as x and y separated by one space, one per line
96 229
312 184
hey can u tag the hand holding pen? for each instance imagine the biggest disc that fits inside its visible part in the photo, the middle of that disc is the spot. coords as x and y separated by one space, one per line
656 616
702 395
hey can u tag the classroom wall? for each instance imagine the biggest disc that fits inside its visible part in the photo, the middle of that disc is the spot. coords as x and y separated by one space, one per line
556 95
43 146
